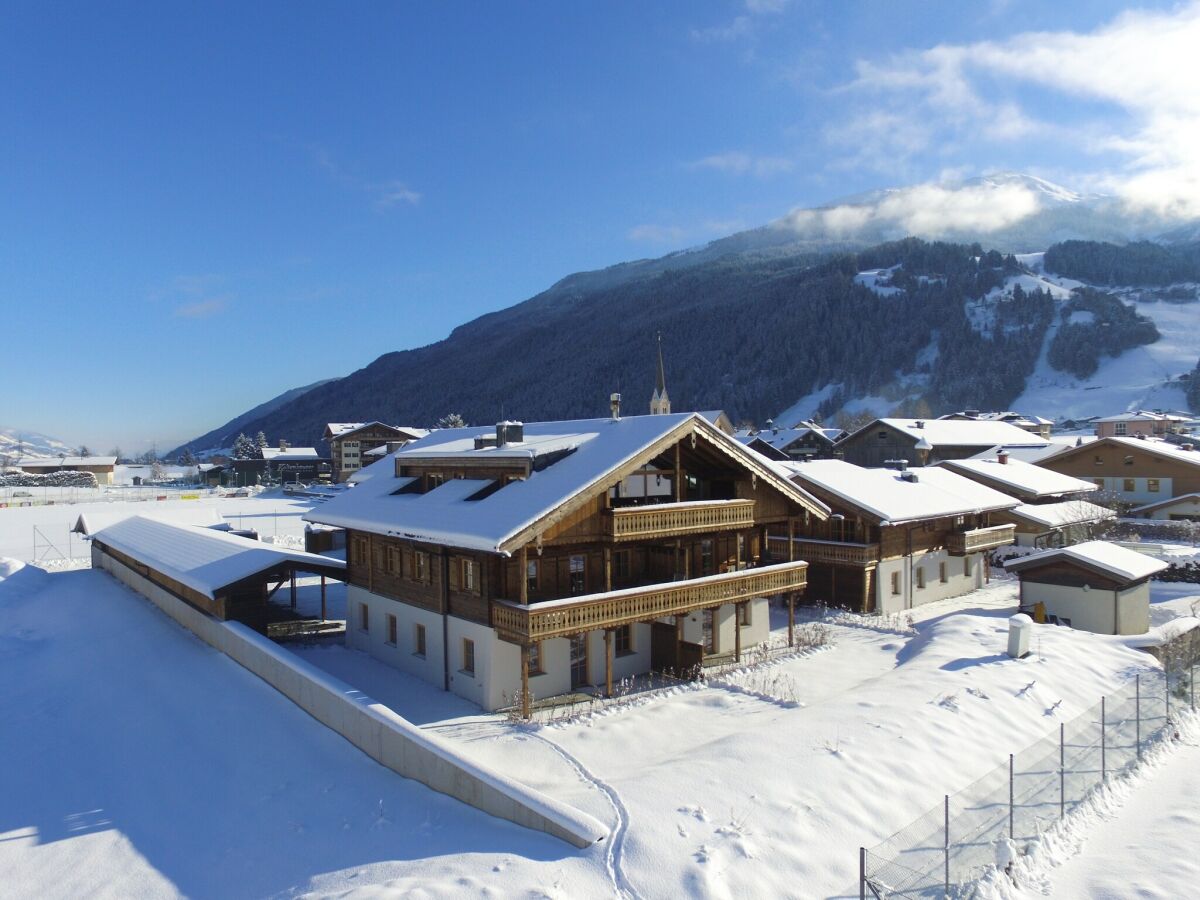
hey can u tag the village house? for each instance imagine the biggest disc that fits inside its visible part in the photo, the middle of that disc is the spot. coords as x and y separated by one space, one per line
103 467
1095 586
1053 511
923 442
534 560
1131 424
351 443
806 441
1033 424
897 538
1136 471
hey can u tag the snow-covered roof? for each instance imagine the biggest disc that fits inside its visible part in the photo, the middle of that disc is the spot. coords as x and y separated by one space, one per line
1059 515
44 462
964 432
1110 559
888 496
336 430
203 559
1019 477
782 438
95 520
291 454
1160 447
1169 501
1142 415
594 454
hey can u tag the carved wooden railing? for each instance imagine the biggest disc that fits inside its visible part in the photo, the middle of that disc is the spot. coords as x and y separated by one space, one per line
973 541
670 519
574 615
828 551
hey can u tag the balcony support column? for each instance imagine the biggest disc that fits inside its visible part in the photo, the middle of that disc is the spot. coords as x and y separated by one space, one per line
526 711
678 476
523 576
791 618
608 661
737 631
607 569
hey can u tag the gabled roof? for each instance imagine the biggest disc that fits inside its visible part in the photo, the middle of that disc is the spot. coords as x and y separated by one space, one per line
1142 415
1169 501
782 438
95 520
335 430
1097 556
1157 446
1060 515
887 496
203 559
291 454
960 432
590 456
1019 478
41 462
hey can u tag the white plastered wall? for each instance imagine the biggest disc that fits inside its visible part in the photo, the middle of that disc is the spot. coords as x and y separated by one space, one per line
374 641
957 583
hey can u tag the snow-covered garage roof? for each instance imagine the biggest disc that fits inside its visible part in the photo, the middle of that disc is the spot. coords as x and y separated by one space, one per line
1019 477
1059 515
1100 556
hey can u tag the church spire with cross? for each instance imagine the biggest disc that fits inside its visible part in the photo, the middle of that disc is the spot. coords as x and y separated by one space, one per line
660 403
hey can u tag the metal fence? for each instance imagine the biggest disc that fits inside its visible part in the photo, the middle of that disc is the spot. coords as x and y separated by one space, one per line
955 843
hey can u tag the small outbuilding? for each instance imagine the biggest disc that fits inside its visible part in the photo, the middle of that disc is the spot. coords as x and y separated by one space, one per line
1094 586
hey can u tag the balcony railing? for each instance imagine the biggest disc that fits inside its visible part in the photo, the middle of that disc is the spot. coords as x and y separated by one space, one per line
837 552
964 542
657 520
574 615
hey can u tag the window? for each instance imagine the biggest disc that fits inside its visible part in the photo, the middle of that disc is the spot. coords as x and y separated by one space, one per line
967 566
421 566
360 551
706 557
434 479
467 573
1119 428
578 577
364 617
393 560
1098 459
943 576
391 637
419 640
920 578
1152 485
709 632
623 640
535 659
468 652
1128 485
621 564
895 582
883 435
531 576
743 614
1129 460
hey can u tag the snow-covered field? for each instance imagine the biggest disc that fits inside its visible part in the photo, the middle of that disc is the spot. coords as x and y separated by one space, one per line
147 764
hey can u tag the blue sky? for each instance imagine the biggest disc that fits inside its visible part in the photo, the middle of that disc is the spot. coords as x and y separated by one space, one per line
205 205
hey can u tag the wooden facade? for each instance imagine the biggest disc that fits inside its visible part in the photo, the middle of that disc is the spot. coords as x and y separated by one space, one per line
1132 470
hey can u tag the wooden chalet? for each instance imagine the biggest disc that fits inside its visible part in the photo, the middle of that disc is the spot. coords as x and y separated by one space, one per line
537 560
1136 471
350 442
897 538
922 442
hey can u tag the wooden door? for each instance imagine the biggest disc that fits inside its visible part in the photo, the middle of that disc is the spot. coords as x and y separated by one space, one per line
664 649
579 661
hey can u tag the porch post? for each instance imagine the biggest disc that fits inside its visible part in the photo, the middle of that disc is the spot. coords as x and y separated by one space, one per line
322 598
523 576
607 569
293 588
525 704
678 477
608 661
737 631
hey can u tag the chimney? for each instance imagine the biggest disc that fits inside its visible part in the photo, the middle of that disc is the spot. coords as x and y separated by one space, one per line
614 403
1186 447
1002 457
771 426
900 465
920 423
509 433
283 445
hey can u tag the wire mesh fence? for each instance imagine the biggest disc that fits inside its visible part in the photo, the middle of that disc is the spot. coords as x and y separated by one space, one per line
954 844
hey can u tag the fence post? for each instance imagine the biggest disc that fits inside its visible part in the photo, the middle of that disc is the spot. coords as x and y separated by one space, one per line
1137 702
947 802
862 873
1192 685
1103 743
1062 770
1011 832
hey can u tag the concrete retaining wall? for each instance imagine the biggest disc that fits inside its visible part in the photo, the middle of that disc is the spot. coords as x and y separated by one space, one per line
373 728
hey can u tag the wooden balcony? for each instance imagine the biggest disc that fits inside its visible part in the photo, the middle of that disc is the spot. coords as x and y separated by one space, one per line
667 520
574 615
964 542
836 552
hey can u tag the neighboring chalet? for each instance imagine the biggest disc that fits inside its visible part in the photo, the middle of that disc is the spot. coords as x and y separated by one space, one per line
897 538
922 442
1095 586
103 467
351 442
805 441
1184 508
534 560
1139 471
1033 424
1053 511
283 464
1141 422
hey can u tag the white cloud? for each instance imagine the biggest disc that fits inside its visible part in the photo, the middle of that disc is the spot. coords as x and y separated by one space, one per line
739 163
202 309
742 25
392 193
1142 69
385 194
657 234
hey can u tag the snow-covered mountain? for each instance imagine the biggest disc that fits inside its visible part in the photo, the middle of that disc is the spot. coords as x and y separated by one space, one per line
19 442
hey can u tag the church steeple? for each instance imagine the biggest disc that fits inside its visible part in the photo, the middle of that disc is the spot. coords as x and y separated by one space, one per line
660 403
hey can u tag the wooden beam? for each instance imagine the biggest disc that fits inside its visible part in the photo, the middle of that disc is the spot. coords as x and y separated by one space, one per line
607 569
608 661
526 705
523 575
678 476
